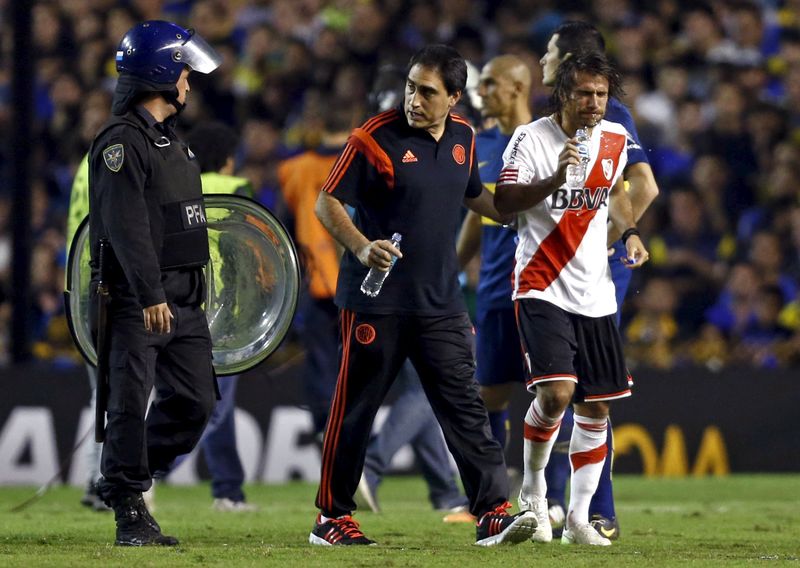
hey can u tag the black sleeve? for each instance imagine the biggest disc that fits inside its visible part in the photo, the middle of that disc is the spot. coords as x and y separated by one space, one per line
349 176
474 185
123 210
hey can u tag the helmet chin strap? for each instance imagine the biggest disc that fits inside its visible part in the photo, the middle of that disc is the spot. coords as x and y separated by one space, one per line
171 96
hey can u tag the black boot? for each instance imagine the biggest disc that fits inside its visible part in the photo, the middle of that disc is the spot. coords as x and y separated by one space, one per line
135 525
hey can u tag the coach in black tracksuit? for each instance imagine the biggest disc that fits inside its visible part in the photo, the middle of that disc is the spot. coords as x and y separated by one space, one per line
146 202
407 171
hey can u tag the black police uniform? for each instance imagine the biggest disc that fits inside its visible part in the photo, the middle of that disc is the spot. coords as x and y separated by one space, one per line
399 179
146 200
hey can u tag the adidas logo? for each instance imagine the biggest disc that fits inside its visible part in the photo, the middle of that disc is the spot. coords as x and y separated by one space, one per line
409 157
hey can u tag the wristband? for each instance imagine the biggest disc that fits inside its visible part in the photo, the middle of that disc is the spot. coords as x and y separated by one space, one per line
627 234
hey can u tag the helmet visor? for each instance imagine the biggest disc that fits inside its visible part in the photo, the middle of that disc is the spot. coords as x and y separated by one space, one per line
197 54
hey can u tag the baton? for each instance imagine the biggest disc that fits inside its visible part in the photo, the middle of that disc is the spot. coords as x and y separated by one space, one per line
102 298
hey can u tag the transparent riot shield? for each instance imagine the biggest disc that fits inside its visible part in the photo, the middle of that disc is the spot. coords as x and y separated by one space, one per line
252 278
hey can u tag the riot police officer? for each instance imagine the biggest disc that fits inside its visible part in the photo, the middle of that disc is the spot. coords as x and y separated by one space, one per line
148 224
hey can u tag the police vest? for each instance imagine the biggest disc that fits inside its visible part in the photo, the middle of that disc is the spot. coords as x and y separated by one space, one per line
174 181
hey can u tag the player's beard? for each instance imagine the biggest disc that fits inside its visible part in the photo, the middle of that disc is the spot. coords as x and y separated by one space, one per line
593 119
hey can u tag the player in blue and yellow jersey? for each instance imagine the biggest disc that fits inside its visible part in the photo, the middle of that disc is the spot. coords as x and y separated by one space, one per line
504 88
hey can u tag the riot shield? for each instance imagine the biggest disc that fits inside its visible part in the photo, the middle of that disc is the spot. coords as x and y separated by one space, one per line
252 280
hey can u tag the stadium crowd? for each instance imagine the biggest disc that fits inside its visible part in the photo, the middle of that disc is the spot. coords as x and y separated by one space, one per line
714 88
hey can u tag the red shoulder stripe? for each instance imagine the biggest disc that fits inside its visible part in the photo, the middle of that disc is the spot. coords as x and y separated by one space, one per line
381 118
376 125
376 155
361 140
341 165
460 119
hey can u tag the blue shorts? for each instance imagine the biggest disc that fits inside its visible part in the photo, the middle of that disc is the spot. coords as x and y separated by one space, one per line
620 275
499 352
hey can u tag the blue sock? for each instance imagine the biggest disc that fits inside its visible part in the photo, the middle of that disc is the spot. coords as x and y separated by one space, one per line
498 422
557 471
603 499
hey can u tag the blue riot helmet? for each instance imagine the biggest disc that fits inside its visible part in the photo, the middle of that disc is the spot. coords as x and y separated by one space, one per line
158 51
152 55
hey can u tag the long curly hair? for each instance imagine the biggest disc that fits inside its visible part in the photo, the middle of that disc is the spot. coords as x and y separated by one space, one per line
589 62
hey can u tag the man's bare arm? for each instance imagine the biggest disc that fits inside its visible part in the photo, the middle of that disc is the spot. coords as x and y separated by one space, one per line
333 216
484 205
469 238
642 191
643 188
620 212
516 197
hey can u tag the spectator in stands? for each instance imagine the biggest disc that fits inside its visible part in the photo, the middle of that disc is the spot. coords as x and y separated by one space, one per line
766 255
778 194
726 137
687 253
651 334
673 160
760 341
766 126
659 107
295 48
711 176
734 309
708 347
702 37
792 260
755 37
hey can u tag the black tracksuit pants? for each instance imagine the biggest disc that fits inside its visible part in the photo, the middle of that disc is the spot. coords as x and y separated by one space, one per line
179 365
372 349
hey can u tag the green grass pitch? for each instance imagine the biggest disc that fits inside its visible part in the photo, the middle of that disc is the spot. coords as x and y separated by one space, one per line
732 521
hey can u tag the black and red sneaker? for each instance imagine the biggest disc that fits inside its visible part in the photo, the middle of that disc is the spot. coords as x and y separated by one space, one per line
339 531
498 527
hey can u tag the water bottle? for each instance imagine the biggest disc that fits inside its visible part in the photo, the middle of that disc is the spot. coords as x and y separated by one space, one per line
576 173
372 283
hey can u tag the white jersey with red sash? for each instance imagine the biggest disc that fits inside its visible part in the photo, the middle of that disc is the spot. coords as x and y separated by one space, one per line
561 255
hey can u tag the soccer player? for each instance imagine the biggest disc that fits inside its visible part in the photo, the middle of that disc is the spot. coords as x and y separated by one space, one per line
504 88
564 296
409 172
569 39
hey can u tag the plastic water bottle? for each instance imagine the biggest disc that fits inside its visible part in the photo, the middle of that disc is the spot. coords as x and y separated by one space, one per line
576 173
373 282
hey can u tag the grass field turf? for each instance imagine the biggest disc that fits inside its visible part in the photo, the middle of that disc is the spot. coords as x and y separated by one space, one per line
734 521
